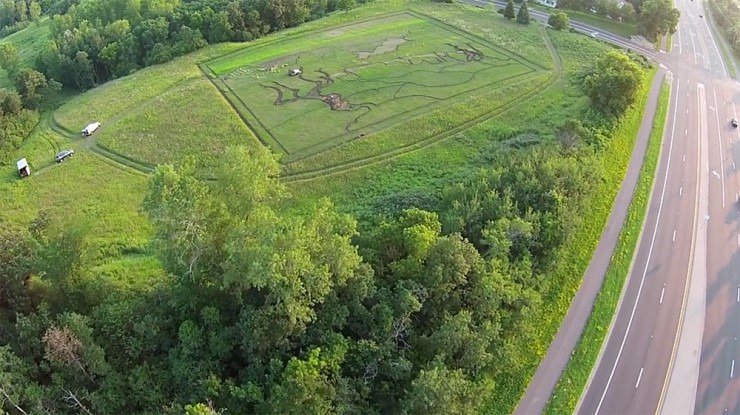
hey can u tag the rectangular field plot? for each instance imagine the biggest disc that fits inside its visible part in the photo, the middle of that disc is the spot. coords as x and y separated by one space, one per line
358 79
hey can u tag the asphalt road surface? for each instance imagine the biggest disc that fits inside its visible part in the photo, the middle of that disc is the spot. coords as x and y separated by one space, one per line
688 253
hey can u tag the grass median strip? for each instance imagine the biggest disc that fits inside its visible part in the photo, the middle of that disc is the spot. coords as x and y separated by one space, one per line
574 377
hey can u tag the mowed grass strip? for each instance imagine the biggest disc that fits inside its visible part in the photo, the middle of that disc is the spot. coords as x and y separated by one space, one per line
191 119
574 377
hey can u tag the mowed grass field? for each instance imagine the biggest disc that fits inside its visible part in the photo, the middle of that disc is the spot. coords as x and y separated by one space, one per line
360 78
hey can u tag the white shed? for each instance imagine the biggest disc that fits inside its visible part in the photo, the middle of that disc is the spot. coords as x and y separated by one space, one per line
23 168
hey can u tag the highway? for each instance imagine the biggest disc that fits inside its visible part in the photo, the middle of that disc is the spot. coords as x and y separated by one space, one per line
659 357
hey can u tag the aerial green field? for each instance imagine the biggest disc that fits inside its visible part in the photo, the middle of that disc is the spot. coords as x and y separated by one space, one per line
396 100
360 78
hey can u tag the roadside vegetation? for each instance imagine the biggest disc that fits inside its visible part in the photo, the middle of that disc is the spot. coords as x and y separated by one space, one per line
573 380
727 15
423 277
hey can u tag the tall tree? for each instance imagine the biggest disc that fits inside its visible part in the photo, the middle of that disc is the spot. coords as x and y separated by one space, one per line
509 11
658 17
558 20
612 83
523 15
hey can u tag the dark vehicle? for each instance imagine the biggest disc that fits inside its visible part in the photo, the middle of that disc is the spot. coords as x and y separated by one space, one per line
734 122
63 155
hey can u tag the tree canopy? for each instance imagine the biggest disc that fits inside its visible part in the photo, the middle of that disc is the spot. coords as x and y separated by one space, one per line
558 20
612 83
523 15
658 17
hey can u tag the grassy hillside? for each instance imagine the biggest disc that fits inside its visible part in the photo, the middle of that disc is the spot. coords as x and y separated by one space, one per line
29 42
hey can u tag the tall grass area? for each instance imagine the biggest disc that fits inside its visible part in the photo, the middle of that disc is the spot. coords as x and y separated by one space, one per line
189 119
29 42
573 380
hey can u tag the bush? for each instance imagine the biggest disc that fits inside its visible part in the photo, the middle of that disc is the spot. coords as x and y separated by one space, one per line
558 20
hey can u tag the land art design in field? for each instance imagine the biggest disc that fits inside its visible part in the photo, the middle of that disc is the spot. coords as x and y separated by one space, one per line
358 79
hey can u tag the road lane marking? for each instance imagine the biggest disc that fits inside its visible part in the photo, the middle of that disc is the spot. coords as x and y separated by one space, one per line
686 132
733 166
732 369
714 172
738 288
647 261
716 48
662 292
693 46
684 158
674 235
639 377
721 155
680 191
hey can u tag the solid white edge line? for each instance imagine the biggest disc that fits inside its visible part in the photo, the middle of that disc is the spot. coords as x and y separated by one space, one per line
650 253
721 155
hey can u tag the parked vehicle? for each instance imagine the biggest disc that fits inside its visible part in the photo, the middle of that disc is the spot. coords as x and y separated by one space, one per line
91 128
63 155
734 123
23 169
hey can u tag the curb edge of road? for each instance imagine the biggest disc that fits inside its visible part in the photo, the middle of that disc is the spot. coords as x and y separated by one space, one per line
661 73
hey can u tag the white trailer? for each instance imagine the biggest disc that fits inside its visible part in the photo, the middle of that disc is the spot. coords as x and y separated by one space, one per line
23 169
91 128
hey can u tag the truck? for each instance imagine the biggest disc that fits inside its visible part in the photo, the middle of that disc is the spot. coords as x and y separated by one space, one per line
91 128
23 169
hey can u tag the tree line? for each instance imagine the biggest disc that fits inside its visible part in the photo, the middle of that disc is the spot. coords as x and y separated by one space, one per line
727 15
18 108
98 40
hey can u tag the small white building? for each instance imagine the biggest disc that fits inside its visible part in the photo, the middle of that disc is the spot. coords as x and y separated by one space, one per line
23 169
548 3
294 72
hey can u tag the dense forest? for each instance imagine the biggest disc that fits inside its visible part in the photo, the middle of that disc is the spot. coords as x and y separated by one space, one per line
267 311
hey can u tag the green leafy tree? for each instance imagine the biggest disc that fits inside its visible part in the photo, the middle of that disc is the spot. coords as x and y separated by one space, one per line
9 60
658 17
34 11
440 390
612 83
346 5
509 11
522 16
558 20
32 86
